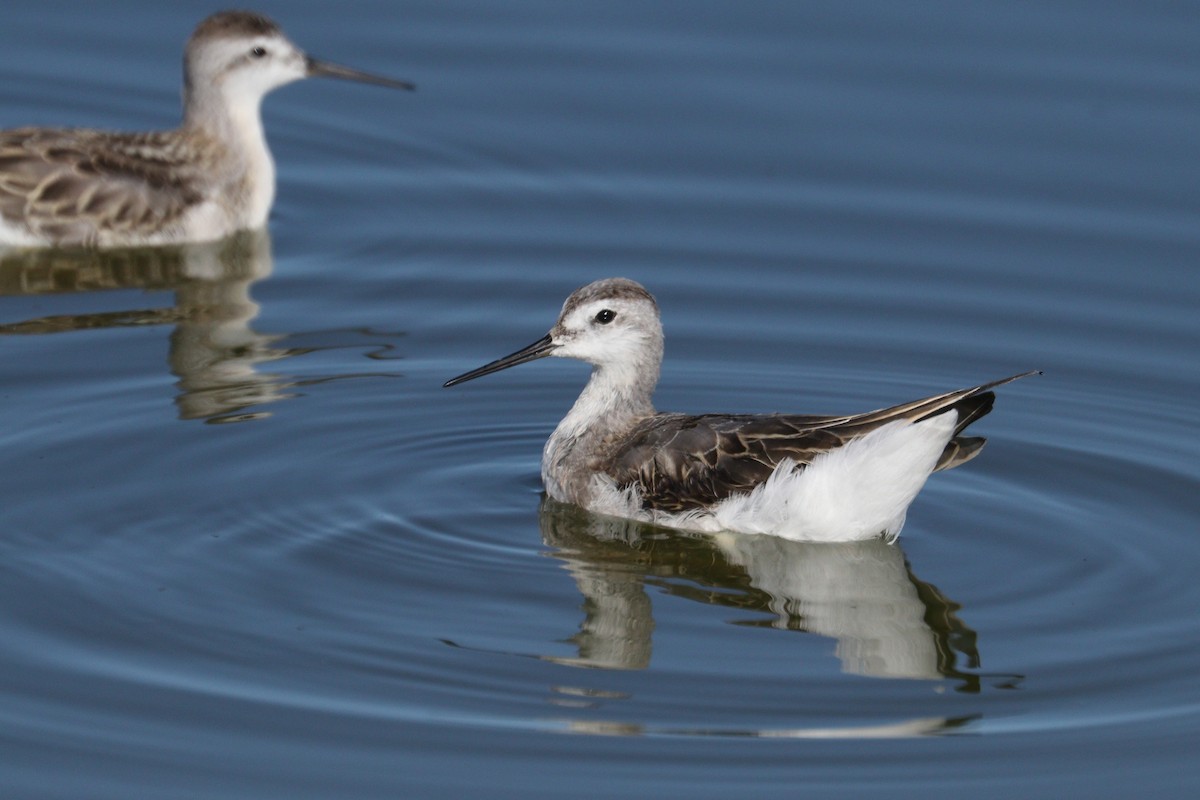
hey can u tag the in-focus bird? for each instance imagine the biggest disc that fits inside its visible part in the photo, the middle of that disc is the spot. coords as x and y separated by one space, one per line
805 477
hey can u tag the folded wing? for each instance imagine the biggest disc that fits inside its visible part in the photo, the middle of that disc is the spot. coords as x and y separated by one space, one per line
682 462
68 187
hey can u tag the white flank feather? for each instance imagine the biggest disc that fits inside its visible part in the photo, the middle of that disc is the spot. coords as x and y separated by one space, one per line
859 491
12 235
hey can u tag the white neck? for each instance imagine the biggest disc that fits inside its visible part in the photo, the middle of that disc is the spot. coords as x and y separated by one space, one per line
613 395
613 400
234 121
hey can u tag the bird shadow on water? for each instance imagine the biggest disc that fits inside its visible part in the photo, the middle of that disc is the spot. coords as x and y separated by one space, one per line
886 622
214 351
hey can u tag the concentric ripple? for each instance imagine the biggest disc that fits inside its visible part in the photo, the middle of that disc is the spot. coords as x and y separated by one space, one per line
359 591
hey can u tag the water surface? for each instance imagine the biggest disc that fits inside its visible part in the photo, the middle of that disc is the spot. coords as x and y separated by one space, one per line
251 548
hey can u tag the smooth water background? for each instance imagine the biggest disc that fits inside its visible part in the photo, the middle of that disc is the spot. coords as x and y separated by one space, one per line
250 548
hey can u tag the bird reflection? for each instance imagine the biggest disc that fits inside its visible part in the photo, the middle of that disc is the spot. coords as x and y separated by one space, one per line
214 351
887 623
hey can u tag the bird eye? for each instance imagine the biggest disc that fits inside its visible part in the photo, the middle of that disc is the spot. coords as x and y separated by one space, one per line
259 52
606 316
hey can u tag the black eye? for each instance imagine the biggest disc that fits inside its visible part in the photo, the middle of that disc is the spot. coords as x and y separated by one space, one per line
259 52
606 316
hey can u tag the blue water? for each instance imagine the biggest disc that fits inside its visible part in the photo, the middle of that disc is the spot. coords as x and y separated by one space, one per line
250 548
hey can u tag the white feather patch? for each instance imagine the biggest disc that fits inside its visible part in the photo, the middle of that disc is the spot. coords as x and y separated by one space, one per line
859 491
12 235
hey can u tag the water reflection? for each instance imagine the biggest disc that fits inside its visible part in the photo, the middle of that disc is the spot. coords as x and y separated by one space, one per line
887 623
214 351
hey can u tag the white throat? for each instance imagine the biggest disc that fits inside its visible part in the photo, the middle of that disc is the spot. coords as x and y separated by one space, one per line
609 405
232 117
245 116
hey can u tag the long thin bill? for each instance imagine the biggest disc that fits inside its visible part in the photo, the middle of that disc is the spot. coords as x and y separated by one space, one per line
327 69
539 349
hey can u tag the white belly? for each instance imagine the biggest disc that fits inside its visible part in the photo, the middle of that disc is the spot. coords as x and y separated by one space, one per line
859 491
14 236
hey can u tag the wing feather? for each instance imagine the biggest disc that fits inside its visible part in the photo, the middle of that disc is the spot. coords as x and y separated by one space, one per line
682 462
72 186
